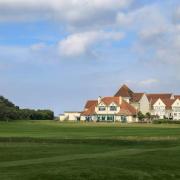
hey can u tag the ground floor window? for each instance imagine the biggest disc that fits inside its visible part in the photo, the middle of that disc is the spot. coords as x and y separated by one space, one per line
123 119
105 118
110 118
88 118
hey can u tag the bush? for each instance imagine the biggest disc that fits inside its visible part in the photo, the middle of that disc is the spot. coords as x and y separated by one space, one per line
166 121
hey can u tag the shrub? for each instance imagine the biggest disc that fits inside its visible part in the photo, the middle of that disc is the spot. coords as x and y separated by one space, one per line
166 121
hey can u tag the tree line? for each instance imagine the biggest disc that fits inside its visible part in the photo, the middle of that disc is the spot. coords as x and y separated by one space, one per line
9 111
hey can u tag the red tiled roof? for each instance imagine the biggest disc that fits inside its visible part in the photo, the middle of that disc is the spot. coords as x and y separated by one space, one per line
125 108
157 96
124 91
109 100
90 110
136 97
90 103
177 96
168 102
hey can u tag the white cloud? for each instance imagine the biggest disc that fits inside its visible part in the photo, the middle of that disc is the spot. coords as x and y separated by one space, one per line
80 43
148 82
71 12
142 18
158 37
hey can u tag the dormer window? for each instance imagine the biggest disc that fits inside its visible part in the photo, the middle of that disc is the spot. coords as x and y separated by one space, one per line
113 108
102 108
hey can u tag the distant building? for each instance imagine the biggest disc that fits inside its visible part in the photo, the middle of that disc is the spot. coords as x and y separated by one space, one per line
109 109
124 106
164 105
70 116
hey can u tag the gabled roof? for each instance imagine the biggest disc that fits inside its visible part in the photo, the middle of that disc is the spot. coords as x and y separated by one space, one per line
136 97
125 108
124 91
90 103
177 96
152 97
168 102
90 110
109 100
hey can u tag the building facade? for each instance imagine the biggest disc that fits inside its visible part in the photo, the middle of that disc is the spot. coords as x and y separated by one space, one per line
162 105
109 109
125 105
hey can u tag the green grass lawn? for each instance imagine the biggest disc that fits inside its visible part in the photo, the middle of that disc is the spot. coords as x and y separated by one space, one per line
41 150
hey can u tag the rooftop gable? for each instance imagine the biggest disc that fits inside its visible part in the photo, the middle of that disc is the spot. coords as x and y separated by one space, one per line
176 102
166 102
125 108
152 97
177 96
124 91
109 100
136 97
90 103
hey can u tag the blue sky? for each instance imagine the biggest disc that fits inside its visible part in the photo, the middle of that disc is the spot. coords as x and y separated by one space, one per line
57 54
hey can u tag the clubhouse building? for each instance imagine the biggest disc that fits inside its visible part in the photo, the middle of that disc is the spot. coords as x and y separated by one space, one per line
125 105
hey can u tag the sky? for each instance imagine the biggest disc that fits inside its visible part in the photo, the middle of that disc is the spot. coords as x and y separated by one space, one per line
56 54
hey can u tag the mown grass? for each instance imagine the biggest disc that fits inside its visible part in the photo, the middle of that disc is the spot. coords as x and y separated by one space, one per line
45 150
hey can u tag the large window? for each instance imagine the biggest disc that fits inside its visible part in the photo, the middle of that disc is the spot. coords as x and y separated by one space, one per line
113 108
123 119
110 118
176 109
102 108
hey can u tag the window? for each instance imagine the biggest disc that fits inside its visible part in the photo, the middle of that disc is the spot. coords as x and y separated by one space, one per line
102 108
176 109
110 118
113 108
123 119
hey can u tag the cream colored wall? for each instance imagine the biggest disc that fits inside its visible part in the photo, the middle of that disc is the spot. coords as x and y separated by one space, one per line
61 117
144 104
127 99
129 119
176 110
136 105
118 118
159 108
70 116
83 118
107 109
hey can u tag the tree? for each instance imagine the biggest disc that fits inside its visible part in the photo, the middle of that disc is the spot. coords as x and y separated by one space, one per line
148 116
140 116
8 111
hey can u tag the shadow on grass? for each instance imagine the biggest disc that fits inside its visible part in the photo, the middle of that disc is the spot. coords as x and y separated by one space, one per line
112 142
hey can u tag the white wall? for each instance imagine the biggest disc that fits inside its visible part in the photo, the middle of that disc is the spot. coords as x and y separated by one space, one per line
144 104
107 109
159 108
176 110
70 116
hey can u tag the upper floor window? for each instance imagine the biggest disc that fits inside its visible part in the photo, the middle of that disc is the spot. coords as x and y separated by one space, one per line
159 107
102 108
113 108
176 109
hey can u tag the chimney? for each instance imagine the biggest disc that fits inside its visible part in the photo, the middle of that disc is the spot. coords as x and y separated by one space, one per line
99 99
